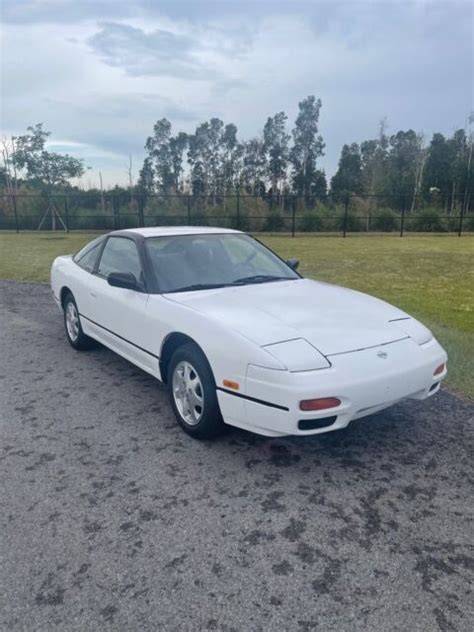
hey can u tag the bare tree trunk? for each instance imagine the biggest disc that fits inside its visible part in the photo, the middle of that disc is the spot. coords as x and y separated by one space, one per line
7 162
15 176
468 180
102 201
418 178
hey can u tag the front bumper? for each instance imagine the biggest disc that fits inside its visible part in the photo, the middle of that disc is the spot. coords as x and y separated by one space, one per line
363 381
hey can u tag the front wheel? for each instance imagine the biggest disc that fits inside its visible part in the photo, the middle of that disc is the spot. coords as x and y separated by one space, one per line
76 337
192 393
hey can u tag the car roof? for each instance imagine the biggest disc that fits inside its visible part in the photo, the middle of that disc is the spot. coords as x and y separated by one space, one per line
160 231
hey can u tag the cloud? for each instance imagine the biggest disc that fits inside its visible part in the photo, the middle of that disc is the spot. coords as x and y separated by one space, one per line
101 73
62 11
157 52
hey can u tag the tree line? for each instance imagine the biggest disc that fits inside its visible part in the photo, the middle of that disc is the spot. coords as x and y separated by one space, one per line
214 162
281 160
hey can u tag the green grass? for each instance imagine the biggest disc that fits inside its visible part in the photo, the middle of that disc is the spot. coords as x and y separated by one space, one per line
431 277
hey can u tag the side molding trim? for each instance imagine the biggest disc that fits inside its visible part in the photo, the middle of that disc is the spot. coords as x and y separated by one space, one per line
252 399
121 337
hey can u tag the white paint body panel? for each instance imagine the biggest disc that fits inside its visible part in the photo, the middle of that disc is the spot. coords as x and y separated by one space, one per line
337 335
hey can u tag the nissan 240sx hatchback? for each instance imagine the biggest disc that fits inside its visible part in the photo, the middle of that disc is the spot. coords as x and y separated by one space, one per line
240 337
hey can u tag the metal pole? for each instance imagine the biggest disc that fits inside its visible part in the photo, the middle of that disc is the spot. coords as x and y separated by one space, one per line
15 213
66 213
293 214
189 210
346 211
402 225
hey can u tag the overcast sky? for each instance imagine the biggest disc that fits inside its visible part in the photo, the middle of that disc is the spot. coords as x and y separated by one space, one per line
99 73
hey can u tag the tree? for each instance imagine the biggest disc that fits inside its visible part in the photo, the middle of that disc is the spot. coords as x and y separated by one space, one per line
158 148
254 168
146 176
459 151
307 148
438 167
48 170
403 157
374 154
231 156
199 159
213 150
319 185
207 149
177 147
9 179
276 142
348 177
469 172
448 168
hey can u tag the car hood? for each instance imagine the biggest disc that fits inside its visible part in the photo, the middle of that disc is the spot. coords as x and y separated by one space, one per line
333 319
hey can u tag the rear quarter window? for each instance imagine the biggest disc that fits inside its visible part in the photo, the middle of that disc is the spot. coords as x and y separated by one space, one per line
87 256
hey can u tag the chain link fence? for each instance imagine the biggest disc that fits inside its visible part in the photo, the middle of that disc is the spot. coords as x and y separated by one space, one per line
93 211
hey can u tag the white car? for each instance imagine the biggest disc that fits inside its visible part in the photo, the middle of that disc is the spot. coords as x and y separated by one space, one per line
240 337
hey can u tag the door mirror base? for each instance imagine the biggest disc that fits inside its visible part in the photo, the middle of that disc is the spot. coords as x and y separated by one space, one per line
125 280
293 263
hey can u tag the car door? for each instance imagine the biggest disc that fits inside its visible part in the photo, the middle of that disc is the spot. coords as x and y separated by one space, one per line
118 316
85 261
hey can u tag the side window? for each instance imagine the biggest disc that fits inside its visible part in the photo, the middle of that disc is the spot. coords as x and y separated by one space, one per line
120 255
86 257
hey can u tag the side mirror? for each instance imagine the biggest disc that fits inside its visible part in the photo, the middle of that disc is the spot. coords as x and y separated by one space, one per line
125 280
293 263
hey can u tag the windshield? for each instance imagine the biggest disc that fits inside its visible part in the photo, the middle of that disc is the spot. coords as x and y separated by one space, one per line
198 262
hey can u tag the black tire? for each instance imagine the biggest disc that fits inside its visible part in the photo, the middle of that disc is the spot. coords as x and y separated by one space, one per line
210 424
80 342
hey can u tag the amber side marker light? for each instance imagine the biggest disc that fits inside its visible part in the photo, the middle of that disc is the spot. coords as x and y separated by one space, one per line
231 384
439 369
319 404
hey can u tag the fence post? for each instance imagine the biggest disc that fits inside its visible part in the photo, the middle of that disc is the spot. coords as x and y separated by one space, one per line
66 213
238 207
346 211
15 213
293 216
189 210
461 217
402 225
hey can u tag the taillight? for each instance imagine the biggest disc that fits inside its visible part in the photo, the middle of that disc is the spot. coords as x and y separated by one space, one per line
439 369
319 404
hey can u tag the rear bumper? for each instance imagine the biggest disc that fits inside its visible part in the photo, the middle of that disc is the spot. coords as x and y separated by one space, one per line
364 382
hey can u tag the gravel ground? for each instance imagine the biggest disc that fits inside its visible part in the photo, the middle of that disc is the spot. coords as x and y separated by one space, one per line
113 519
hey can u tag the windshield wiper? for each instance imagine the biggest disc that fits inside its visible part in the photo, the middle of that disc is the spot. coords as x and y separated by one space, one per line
260 278
256 278
198 286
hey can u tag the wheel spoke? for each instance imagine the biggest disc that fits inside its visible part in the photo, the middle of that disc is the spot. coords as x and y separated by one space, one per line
72 322
188 393
195 399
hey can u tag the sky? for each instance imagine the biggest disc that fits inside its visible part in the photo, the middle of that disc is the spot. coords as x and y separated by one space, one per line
100 73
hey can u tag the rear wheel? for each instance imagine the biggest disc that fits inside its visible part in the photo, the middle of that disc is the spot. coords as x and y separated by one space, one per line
192 393
72 324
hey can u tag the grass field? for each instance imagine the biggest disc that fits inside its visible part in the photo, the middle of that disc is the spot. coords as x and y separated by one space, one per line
431 277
